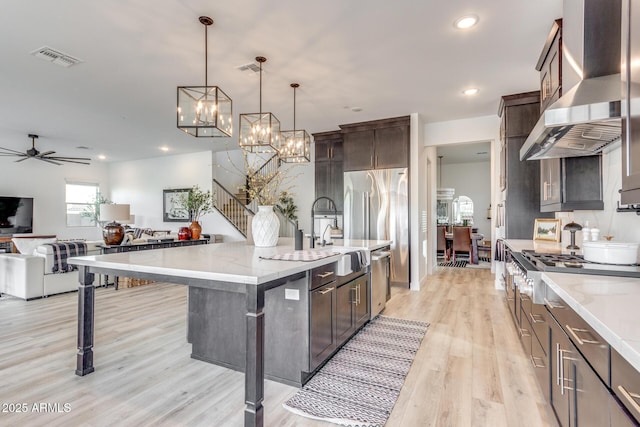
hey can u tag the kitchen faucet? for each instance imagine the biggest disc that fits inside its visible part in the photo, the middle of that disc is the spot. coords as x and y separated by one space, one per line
312 244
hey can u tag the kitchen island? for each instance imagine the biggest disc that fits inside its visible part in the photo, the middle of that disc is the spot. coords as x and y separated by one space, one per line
227 267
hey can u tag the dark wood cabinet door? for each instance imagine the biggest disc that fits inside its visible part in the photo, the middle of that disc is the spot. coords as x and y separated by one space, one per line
361 312
550 187
391 147
323 150
358 150
572 183
344 325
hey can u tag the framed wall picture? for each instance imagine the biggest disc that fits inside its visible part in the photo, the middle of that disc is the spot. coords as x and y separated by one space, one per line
547 229
171 212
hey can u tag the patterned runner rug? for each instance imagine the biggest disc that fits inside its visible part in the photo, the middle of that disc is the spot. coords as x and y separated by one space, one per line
360 384
459 263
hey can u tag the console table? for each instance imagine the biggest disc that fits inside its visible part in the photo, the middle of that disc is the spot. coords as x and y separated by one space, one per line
158 244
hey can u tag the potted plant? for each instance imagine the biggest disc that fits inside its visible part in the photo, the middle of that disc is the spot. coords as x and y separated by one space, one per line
197 203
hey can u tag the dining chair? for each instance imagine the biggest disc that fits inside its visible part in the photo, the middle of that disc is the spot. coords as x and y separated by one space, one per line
442 242
461 241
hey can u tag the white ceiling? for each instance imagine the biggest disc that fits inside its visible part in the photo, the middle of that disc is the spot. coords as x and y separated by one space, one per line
388 58
465 153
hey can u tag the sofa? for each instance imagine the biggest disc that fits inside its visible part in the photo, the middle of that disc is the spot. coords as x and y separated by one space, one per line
30 276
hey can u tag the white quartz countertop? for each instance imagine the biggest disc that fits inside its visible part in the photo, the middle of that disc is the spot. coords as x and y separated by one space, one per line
235 262
519 245
608 304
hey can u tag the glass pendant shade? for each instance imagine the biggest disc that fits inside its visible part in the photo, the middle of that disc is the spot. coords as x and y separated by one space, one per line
259 132
294 144
204 111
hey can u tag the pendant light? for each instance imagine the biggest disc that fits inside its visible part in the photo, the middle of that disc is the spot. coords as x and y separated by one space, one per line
443 193
294 144
204 111
259 132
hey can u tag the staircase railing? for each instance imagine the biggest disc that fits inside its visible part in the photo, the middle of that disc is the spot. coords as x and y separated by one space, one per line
231 208
266 172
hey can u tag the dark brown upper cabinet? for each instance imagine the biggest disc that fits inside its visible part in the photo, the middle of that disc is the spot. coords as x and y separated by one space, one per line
328 170
379 144
550 67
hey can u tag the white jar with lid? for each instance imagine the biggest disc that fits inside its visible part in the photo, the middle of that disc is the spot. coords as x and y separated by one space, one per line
595 233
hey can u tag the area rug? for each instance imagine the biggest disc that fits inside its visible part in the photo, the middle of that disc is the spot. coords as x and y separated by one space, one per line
459 263
360 384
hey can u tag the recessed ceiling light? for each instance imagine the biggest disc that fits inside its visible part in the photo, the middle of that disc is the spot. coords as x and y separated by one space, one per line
164 148
466 21
470 91
102 157
356 109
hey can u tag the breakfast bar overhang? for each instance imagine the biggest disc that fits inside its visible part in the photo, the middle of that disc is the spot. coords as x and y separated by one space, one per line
230 267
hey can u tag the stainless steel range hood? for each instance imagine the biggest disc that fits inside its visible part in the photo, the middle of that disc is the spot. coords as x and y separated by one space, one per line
586 118
580 123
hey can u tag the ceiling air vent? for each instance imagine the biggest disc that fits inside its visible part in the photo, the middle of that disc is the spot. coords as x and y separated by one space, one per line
249 67
55 56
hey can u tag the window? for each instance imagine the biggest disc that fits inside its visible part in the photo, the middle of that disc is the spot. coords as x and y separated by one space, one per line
81 200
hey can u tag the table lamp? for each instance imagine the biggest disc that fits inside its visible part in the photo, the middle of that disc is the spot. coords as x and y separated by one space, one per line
113 232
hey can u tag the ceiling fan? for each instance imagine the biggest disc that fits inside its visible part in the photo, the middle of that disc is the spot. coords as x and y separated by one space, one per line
32 153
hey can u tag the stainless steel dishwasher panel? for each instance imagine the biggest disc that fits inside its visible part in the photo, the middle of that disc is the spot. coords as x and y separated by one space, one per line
380 279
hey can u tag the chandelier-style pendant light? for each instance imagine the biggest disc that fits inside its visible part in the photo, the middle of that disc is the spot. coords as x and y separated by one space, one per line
294 144
259 132
204 111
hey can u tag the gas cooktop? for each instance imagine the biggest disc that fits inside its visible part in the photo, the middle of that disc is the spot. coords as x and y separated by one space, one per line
570 263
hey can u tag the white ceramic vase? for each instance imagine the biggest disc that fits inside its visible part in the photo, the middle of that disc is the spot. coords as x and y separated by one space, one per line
265 227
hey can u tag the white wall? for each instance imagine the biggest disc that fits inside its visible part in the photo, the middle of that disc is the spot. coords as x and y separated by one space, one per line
474 181
623 226
140 183
46 184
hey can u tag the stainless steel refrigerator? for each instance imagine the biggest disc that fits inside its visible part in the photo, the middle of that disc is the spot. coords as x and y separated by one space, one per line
376 207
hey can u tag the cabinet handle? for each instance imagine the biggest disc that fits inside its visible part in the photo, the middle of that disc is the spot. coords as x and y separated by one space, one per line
544 191
573 331
560 368
325 274
326 291
354 300
358 294
631 397
524 332
534 320
535 365
552 305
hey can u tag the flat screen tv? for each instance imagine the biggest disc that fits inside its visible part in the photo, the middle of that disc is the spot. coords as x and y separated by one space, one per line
16 215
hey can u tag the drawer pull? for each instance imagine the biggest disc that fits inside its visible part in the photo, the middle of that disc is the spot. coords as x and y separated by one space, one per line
552 305
535 364
631 397
325 274
581 341
326 291
540 318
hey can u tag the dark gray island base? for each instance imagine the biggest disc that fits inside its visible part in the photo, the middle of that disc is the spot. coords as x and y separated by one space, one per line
306 320
222 269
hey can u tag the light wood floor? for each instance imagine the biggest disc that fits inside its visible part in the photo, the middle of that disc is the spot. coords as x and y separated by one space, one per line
469 371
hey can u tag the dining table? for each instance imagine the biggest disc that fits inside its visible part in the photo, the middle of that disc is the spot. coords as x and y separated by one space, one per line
475 238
